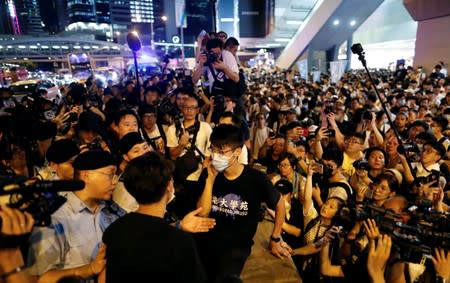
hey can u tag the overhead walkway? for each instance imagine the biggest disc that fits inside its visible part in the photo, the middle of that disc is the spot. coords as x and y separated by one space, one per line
329 24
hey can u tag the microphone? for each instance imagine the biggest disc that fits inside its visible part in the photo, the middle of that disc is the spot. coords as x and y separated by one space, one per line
32 186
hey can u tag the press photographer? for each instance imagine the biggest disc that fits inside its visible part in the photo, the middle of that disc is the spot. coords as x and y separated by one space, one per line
220 68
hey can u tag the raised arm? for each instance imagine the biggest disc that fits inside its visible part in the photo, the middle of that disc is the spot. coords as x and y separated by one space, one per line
307 200
196 75
338 135
205 200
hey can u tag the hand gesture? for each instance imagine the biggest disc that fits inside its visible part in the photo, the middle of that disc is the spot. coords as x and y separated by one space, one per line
15 222
291 148
351 236
219 65
361 173
311 167
61 118
211 103
99 263
323 132
184 138
331 234
373 122
280 249
438 198
193 223
332 120
379 252
441 262
270 141
426 191
212 172
371 228
361 191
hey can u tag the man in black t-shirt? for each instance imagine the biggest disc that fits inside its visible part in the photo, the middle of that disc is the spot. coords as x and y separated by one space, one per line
233 195
141 244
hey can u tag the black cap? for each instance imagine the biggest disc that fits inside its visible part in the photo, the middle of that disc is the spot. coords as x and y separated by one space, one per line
93 159
61 151
129 140
439 147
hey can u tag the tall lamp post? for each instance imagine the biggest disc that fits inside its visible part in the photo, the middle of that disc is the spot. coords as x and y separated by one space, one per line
152 34
214 14
135 45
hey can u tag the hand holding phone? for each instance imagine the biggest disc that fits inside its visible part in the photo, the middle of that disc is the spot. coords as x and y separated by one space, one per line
317 168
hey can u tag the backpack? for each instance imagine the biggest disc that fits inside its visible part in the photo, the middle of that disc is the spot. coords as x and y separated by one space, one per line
241 85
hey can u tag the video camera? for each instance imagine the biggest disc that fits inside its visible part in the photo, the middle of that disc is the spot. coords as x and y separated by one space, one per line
167 107
37 197
427 229
411 150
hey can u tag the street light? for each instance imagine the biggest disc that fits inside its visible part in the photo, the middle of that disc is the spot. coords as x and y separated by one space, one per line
135 45
152 31
152 34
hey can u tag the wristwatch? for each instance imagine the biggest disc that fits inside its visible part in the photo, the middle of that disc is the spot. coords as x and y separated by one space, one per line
275 239
440 279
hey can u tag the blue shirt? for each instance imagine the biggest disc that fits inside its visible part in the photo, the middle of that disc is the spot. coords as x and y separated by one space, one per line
73 238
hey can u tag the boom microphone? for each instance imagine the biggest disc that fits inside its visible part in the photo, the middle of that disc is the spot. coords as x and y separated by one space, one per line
32 186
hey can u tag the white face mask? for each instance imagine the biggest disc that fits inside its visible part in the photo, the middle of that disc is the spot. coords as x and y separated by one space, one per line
294 94
220 161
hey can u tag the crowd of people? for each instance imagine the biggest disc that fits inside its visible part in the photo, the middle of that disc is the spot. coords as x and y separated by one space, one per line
178 172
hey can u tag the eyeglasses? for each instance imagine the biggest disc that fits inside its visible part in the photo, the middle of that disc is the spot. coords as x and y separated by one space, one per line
149 116
284 165
354 141
191 108
111 176
429 150
221 151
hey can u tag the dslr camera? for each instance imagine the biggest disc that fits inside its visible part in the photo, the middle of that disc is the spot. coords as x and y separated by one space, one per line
328 109
361 164
211 58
